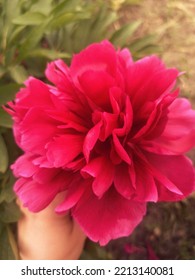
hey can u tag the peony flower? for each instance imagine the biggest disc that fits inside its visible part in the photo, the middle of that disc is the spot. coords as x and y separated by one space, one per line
109 132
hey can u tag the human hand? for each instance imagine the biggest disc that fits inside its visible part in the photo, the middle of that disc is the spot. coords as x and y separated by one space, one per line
49 236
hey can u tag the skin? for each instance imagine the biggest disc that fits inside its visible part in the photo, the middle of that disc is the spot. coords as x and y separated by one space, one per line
49 236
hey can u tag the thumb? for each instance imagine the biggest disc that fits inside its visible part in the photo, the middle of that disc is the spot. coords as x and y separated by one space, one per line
47 235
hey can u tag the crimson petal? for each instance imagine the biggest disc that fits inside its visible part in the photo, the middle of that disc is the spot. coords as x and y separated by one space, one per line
74 193
37 196
179 134
110 217
24 167
177 170
103 171
101 57
59 151
122 181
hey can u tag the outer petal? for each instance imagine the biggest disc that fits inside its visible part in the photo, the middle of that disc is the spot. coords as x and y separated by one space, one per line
160 83
156 120
37 196
45 175
74 193
36 93
110 217
24 167
138 73
125 57
58 73
179 133
38 186
177 171
37 129
98 57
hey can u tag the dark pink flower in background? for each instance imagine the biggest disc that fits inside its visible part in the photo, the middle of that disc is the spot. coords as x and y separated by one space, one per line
110 132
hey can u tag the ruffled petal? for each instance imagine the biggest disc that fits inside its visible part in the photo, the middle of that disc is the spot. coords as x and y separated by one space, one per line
98 57
91 139
103 171
64 149
138 73
35 137
109 122
162 82
120 150
74 193
24 166
58 73
93 82
110 217
36 93
146 189
175 176
36 196
122 181
179 134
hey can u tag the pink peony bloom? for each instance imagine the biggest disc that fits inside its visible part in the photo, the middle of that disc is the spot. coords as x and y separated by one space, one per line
110 132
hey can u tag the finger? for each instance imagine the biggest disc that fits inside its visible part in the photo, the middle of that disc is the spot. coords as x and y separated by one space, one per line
47 235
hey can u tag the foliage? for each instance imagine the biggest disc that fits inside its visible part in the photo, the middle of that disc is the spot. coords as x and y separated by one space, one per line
9 212
34 32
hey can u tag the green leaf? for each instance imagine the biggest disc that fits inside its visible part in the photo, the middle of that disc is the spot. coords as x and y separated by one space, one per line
6 190
9 55
31 41
101 23
103 18
105 23
13 38
6 252
80 37
147 50
92 30
50 54
13 243
60 39
61 20
7 92
42 6
18 74
13 150
29 18
2 71
10 212
142 42
122 36
65 6
5 119
3 155
11 9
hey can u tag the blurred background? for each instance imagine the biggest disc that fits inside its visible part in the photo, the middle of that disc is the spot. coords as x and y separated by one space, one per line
34 32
